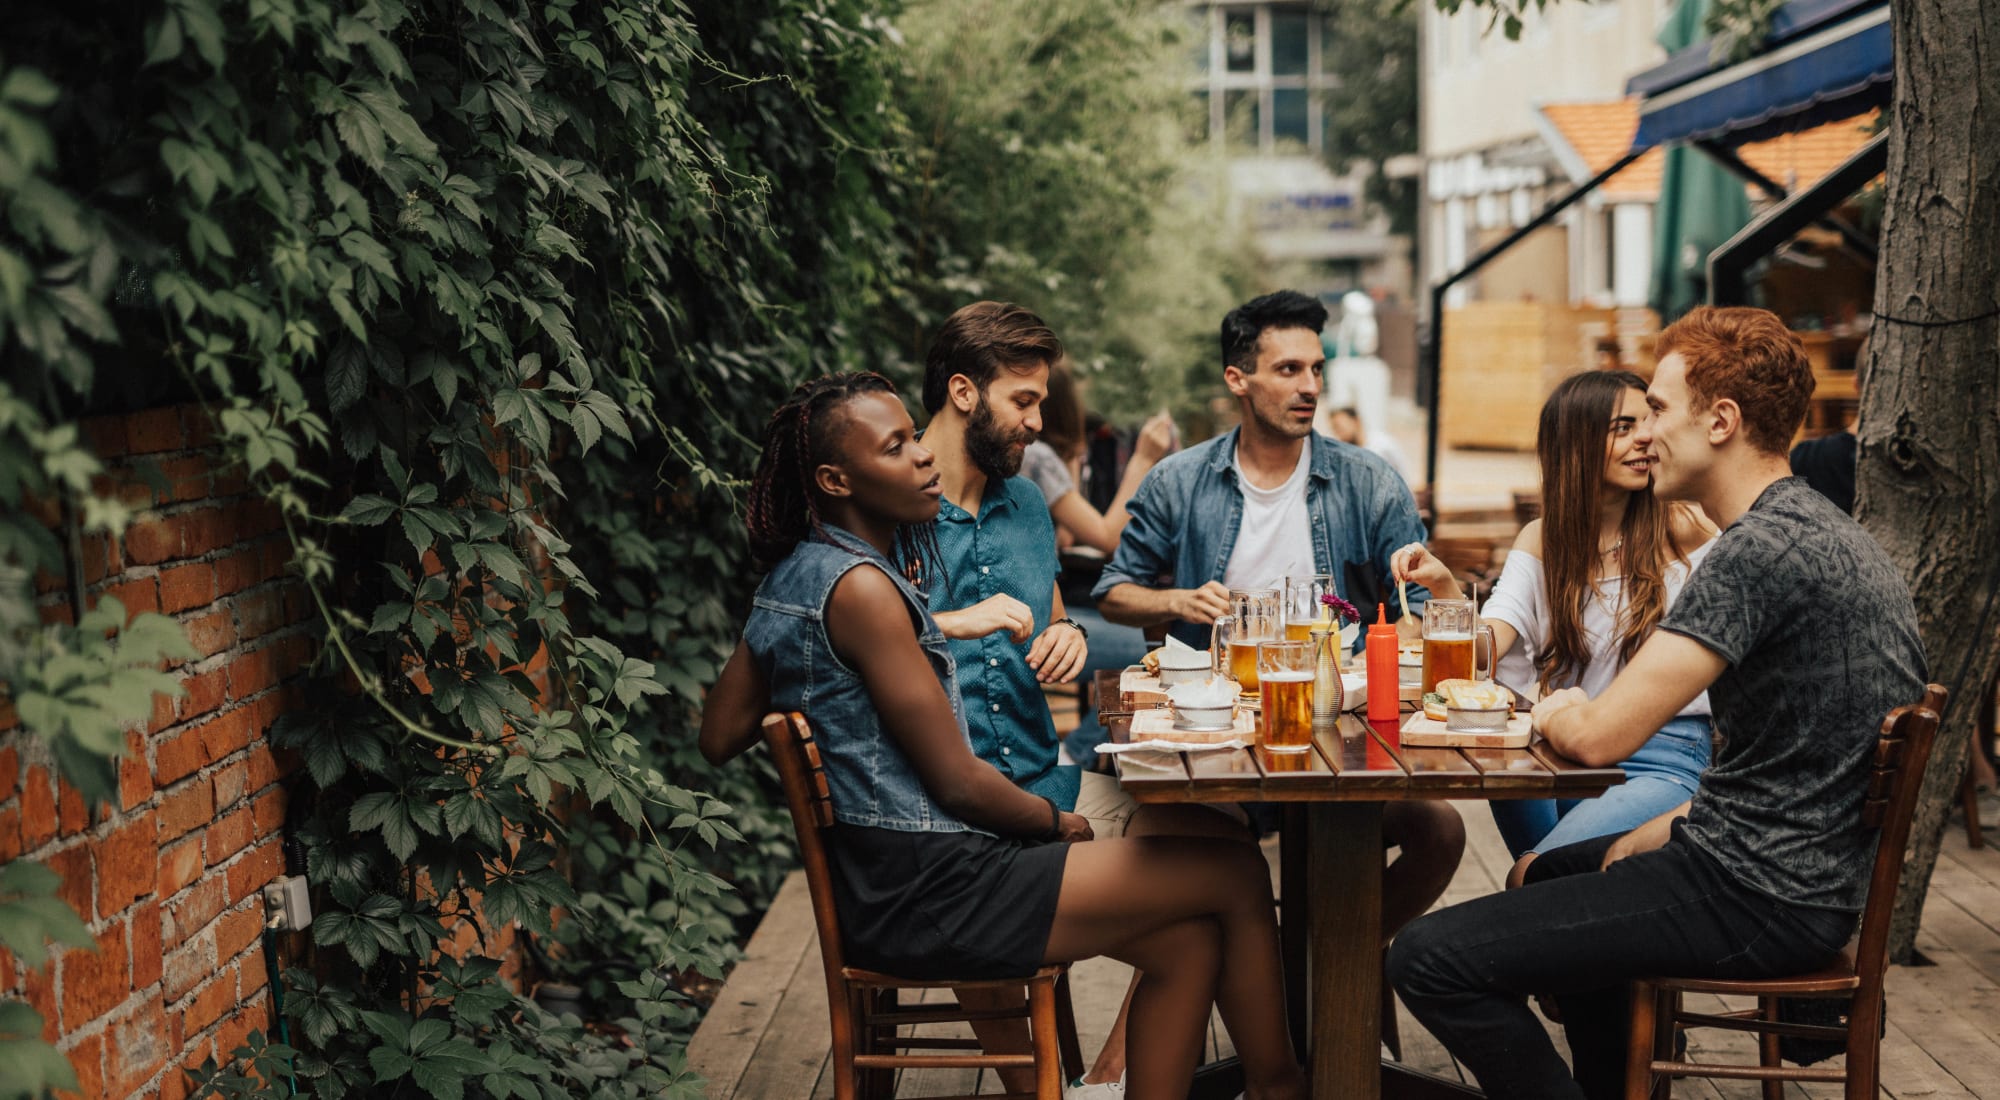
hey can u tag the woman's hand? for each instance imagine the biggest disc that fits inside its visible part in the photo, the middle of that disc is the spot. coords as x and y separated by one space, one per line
1415 564
1156 439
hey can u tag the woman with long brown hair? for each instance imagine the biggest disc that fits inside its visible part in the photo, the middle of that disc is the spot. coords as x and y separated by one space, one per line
1584 587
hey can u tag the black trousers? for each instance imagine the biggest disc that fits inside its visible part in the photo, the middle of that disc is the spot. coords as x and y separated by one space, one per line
1581 935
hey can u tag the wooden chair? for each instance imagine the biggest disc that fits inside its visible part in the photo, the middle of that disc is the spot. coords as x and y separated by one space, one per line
1901 753
865 1006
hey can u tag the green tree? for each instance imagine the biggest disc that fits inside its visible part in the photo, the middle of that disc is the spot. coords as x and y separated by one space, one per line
1372 115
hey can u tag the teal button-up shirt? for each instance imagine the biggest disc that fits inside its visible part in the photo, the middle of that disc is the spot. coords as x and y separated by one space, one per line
1008 548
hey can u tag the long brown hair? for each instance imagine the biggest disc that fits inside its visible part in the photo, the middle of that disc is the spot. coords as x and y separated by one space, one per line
1571 443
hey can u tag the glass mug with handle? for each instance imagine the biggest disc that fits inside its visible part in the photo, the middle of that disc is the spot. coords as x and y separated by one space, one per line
1255 615
1285 671
1452 631
1303 609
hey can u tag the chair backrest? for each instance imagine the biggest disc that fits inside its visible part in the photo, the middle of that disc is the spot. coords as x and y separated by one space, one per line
1902 751
790 737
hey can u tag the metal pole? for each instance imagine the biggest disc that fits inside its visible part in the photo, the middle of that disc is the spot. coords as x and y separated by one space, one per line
1434 346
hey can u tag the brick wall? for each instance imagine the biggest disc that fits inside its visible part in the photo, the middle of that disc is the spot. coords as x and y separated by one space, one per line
169 877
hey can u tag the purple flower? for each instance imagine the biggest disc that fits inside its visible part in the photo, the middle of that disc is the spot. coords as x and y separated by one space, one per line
1343 611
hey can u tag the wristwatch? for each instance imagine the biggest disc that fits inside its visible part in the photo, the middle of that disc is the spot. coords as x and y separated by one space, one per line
1081 632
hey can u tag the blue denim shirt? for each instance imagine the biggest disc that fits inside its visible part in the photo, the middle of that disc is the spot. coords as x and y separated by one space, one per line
1186 514
1010 548
869 779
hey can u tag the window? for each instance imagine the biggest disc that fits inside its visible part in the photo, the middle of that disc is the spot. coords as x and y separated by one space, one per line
1197 122
1240 121
1261 76
1239 40
1289 43
1291 118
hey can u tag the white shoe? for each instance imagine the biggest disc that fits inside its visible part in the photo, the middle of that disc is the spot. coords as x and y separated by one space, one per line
1101 1090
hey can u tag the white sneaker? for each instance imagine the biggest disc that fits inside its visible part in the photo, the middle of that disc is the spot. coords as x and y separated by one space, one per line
1101 1090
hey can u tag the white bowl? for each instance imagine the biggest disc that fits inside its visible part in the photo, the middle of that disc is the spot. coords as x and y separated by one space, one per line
1171 676
1204 719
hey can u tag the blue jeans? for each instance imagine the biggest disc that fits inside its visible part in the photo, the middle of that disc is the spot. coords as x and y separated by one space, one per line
1111 646
1661 775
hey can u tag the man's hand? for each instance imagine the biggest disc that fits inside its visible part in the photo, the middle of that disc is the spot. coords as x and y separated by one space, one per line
1057 655
1075 827
1554 703
1653 834
1203 605
1002 612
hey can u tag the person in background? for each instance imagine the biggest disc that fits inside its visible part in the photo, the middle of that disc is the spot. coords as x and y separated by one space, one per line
1345 425
1583 589
942 867
1051 463
1827 463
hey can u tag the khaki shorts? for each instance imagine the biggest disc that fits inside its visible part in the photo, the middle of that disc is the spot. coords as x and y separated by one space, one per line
1109 809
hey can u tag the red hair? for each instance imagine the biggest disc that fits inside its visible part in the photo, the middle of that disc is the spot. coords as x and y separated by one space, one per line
1748 356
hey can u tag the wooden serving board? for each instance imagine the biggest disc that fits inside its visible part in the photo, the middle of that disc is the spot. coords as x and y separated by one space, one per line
1423 732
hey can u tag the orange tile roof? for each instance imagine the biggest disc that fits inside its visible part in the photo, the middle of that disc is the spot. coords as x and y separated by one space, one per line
1601 132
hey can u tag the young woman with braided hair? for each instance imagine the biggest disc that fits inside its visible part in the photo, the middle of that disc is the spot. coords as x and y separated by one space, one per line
942 867
1583 588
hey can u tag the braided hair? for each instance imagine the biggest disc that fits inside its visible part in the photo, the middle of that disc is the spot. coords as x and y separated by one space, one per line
797 441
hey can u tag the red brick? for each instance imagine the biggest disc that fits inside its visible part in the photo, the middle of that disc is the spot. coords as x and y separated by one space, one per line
73 866
179 865
259 613
192 912
228 836
187 966
229 480
177 757
228 733
277 557
185 810
46 582
104 435
127 865
10 838
200 426
252 672
187 477
93 982
186 586
147 951
206 530
254 870
205 692
152 541
87 1059
253 1013
139 1046
238 929
174 1083
211 633
252 977
155 430
210 1002
56 614
124 487
163 713
238 571
263 768
10 770
97 559
70 810
138 596
38 809
38 988
255 518
270 811
135 776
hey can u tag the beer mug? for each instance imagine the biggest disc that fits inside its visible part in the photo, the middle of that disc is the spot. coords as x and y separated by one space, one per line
1285 683
1302 608
1254 616
1218 645
1452 631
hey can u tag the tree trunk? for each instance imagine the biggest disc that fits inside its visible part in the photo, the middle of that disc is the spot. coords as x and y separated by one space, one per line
1929 476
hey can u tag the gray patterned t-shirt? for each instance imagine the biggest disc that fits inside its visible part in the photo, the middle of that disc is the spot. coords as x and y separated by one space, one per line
1821 640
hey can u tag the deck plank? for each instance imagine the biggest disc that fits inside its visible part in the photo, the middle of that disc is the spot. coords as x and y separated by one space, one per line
721 1049
795 1046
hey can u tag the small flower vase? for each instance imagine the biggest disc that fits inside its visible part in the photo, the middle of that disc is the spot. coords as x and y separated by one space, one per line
1327 690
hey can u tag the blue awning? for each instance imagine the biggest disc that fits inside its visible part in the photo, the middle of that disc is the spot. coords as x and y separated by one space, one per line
1824 60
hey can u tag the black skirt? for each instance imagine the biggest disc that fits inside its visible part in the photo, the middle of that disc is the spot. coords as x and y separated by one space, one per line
944 905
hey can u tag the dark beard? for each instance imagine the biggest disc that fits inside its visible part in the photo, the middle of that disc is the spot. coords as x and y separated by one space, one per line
991 450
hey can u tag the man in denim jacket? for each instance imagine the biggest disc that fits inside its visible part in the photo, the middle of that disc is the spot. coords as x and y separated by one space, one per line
1274 499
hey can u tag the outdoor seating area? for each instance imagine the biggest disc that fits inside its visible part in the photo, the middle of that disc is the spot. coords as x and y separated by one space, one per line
768 1034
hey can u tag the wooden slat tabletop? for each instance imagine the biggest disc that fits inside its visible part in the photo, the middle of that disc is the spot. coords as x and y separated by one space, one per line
1355 760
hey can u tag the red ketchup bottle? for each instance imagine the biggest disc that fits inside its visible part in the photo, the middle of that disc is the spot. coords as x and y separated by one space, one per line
1384 699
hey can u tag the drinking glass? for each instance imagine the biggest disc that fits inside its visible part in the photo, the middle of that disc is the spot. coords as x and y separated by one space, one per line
1451 634
1218 645
1302 608
1255 616
1285 682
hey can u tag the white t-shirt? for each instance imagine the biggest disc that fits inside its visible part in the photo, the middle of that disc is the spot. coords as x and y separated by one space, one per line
1520 600
1274 540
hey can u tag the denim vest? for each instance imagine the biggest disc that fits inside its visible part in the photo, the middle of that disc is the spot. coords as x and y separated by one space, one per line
1185 516
870 780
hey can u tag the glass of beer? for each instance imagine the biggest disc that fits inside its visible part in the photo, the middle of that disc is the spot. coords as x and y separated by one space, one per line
1285 681
1255 616
1451 633
1302 607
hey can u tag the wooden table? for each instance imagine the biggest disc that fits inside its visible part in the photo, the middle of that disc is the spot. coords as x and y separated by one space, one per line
1330 864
